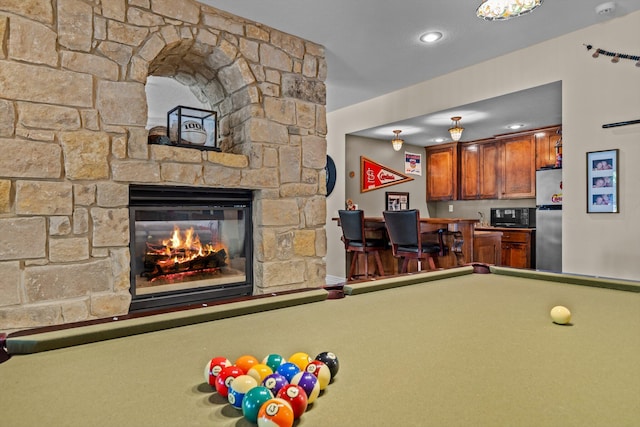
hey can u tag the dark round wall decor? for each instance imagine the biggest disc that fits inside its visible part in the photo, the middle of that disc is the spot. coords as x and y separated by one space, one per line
330 170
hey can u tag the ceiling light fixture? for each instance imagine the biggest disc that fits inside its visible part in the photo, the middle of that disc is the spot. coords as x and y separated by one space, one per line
515 126
500 10
396 141
431 37
456 130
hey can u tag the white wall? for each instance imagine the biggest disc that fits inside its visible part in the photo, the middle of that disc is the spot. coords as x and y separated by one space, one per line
594 92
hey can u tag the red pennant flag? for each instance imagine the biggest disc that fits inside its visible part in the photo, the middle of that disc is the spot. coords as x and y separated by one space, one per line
374 176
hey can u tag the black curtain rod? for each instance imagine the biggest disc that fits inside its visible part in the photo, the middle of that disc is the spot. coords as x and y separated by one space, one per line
615 125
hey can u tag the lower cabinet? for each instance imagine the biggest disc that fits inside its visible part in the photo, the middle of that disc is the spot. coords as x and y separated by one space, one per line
518 247
487 247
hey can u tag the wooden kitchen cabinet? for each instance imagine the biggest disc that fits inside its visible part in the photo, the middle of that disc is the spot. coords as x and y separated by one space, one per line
487 247
442 172
479 175
546 140
518 168
518 248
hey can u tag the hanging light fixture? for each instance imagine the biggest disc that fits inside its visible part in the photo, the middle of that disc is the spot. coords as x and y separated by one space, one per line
456 130
500 10
396 141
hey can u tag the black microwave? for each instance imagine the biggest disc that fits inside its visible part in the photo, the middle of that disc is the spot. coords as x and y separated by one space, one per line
513 217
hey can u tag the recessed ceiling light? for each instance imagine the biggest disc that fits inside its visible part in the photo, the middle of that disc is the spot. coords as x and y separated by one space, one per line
515 126
439 140
431 37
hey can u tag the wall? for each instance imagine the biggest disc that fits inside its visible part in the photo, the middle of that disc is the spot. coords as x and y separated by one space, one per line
73 112
594 92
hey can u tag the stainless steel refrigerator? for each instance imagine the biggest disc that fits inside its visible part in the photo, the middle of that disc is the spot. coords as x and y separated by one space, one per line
549 220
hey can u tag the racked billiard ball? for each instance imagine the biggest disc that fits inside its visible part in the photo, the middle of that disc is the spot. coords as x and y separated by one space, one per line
273 360
309 384
213 368
245 362
296 397
330 359
275 413
238 388
320 371
224 378
253 401
275 382
260 371
288 370
300 359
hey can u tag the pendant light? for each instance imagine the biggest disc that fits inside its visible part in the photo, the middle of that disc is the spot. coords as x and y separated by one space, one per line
396 141
456 130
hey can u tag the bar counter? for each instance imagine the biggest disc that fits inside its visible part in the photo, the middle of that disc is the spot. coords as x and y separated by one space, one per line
458 238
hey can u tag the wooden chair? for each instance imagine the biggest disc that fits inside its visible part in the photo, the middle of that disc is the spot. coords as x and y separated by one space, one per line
408 242
356 242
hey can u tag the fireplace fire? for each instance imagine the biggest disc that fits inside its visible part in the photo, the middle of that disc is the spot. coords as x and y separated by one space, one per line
189 245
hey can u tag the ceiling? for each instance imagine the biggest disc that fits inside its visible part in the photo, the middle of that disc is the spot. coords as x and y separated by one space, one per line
373 48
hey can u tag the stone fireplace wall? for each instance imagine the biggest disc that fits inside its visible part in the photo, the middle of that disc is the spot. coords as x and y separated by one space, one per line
72 131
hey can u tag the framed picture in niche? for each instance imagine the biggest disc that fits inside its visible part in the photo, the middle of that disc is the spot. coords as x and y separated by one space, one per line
602 182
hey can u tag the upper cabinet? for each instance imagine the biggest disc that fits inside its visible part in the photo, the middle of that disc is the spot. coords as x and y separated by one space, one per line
518 168
442 172
546 140
502 167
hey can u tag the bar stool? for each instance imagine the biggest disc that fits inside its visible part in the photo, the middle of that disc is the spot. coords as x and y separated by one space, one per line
408 242
356 242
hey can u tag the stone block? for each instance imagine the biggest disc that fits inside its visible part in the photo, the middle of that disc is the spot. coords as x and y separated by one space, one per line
99 66
23 238
54 86
321 242
110 227
135 171
292 45
222 176
280 110
75 311
114 9
181 173
68 249
5 196
75 24
38 10
121 267
304 243
283 273
215 19
272 57
278 212
44 198
187 11
260 178
9 283
7 118
290 164
130 35
310 66
110 304
48 116
111 195
30 316
143 18
314 152
32 42
138 143
57 282
30 159
80 220
284 245
296 86
121 54
298 190
262 130
321 120
86 154
315 211
305 115
114 96
59 226
84 194
163 153
316 274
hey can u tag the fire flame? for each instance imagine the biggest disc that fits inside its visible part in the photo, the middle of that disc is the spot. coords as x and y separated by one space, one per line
187 248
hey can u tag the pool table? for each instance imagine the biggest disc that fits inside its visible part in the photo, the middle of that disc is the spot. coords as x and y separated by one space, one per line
445 348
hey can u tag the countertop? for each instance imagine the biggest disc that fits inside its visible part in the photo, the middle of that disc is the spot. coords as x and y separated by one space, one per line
489 228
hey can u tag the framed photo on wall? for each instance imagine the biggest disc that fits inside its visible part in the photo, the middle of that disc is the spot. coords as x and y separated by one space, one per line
602 182
396 201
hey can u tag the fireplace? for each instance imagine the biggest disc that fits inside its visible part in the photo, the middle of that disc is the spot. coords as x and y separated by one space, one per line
189 245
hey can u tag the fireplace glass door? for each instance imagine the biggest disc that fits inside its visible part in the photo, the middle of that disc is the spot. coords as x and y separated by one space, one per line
189 245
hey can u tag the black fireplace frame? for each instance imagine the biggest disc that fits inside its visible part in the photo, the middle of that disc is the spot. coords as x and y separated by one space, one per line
145 197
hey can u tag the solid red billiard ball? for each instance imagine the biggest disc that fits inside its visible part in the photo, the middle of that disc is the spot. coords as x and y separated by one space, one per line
224 378
275 413
309 384
296 397
330 359
213 368
320 371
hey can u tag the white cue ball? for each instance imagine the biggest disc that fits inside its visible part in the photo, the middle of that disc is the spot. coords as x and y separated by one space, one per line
560 315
